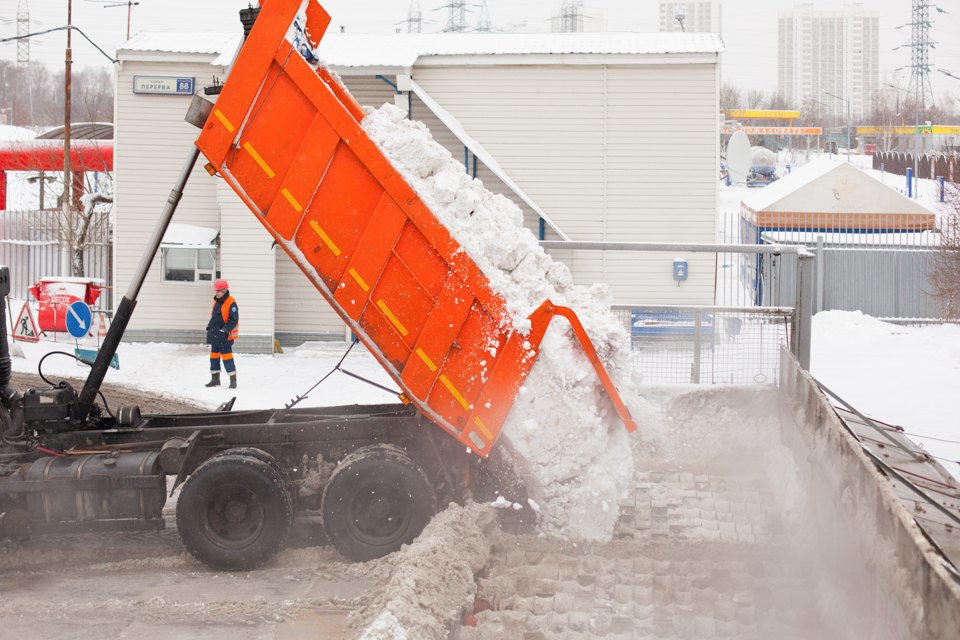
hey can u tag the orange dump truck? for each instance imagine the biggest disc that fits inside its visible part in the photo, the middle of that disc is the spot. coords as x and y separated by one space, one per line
287 138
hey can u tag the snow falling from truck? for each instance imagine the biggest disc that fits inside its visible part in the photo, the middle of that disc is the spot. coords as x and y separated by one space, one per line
575 449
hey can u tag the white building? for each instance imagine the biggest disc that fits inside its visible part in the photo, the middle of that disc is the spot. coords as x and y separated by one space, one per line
594 132
830 52
698 17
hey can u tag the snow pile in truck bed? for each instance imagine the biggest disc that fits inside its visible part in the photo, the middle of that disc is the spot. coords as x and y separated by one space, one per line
575 448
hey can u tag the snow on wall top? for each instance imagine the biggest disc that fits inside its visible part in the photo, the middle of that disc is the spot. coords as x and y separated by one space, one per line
189 236
826 186
405 49
223 45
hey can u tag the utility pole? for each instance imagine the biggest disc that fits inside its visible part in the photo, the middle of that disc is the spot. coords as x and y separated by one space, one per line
414 18
848 121
23 101
571 18
920 85
67 206
129 5
483 22
457 19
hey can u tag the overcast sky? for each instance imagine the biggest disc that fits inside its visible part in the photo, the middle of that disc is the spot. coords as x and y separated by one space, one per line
749 27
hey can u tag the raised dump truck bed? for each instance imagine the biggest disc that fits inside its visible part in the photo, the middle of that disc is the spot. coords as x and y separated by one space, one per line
287 138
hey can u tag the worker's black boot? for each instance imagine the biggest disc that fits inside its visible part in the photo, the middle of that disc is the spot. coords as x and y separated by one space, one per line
214 380
233 381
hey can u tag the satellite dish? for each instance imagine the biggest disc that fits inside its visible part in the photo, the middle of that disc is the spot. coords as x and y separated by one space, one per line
739 157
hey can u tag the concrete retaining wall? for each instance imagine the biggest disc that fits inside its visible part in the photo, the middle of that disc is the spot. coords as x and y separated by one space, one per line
907 592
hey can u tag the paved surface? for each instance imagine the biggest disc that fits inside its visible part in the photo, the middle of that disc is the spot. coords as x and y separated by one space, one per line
695 555
143 585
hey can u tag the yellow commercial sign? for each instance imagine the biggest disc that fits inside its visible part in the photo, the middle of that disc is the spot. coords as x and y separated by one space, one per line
762 114
776 131
935 129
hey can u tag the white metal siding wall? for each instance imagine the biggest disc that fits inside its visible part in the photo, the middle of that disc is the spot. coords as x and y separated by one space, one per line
661 178
604 150
152 141
247 263
544 126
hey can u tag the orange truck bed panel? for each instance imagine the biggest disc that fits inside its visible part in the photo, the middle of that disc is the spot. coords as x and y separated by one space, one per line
287 138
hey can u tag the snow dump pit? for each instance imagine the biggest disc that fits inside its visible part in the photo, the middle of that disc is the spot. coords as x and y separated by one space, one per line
727 532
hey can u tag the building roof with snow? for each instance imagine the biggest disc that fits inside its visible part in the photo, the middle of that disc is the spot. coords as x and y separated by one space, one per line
404 50
831 195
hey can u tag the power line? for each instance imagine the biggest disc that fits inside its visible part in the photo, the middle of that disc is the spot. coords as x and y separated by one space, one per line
63 28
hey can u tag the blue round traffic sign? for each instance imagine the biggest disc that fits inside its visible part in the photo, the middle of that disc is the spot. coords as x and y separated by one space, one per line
79 319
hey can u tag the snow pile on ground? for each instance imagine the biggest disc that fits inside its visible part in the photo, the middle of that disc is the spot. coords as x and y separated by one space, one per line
432 580
901 375
576 449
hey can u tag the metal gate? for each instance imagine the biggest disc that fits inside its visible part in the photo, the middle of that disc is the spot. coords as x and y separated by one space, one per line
34 245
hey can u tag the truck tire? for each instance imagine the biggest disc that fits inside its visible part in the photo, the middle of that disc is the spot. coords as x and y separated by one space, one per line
376 500
269 459
234 512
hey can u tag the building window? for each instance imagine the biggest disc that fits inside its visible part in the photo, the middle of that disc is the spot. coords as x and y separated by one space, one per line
189 254
189 265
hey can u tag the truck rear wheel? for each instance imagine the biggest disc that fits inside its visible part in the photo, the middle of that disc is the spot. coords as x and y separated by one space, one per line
377 500
269 459
234 512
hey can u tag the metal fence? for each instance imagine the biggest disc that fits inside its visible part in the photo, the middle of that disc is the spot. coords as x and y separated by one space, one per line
33 244
730 345
882 265
712 344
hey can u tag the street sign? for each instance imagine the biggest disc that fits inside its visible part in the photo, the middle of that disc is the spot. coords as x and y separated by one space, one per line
169 85
79 319
25 329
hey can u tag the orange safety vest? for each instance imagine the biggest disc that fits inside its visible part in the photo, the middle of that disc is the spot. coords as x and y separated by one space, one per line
225 313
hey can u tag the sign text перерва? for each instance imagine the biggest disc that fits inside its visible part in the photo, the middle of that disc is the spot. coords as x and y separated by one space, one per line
166 85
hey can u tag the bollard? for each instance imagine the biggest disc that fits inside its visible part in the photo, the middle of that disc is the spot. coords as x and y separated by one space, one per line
940 180
788 167
881 174
909 182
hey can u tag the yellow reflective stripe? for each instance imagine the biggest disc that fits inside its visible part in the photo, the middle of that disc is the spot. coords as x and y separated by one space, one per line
483 428
392 318
260 161
223 120
426 359
293 201
323 236
453 390
360 281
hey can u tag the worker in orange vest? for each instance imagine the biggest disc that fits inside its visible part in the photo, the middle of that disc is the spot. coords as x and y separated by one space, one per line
222 330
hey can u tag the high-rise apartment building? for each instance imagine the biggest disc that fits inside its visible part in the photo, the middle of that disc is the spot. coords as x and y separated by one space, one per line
829 52
698 17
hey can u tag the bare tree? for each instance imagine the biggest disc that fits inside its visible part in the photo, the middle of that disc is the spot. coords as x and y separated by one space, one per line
755 99
730 97
946 270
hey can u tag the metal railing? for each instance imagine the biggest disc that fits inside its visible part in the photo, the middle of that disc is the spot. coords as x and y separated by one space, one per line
882 265
32 245
719 343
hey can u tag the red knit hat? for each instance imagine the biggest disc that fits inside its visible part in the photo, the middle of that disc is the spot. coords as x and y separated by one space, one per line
220 284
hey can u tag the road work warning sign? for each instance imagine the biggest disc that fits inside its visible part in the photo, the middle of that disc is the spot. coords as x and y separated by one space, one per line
25 329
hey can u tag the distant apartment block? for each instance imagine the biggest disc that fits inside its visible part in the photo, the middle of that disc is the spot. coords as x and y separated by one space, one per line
824 52
698 17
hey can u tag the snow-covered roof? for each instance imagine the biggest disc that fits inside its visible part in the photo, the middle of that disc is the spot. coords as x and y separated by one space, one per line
402 50
15 134
188 236
405 49
220 44
826 186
